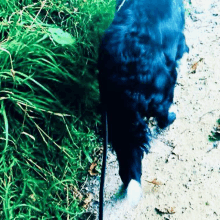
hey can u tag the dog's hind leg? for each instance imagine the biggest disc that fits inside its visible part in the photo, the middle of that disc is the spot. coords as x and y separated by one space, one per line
132 135
130 170
130 164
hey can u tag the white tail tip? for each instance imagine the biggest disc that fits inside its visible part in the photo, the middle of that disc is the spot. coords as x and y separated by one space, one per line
134 192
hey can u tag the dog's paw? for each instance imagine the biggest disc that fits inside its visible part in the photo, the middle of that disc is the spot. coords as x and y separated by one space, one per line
171 118
163 123
134 192
173 108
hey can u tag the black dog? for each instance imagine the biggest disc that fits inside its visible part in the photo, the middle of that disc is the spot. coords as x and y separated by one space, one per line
137 64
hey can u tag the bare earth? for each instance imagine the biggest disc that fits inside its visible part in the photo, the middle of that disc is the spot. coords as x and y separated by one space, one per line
181 174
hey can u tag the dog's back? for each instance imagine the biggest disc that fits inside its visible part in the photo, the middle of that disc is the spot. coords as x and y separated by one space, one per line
137 64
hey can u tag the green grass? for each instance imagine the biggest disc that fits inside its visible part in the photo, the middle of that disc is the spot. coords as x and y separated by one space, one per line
48 102
215 133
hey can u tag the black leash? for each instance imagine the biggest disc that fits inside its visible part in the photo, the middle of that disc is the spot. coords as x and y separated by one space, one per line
101 193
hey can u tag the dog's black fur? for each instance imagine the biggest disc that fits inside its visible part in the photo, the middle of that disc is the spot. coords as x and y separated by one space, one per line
137 64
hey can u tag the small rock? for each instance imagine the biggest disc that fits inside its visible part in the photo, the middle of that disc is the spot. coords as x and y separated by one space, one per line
165 209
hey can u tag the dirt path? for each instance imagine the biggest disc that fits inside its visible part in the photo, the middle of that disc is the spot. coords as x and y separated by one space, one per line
183 165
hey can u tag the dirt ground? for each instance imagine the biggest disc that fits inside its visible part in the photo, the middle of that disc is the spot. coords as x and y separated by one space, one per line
181 174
